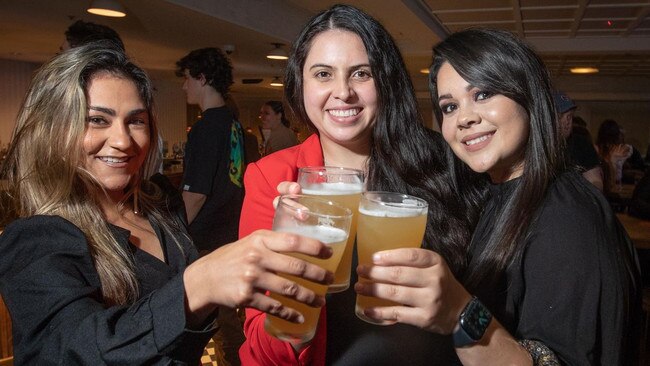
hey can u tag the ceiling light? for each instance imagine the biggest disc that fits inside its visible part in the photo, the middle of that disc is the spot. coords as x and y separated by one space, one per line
277 53
107 8
584 70
276 82
424 71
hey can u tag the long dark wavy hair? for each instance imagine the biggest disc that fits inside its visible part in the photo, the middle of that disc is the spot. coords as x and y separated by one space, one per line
404 156
496 61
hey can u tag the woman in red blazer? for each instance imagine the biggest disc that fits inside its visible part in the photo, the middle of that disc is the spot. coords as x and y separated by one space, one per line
346 79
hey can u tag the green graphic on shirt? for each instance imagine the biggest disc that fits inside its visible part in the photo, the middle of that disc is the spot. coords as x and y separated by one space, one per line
236 154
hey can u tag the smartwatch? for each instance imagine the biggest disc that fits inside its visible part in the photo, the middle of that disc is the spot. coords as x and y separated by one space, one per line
472 323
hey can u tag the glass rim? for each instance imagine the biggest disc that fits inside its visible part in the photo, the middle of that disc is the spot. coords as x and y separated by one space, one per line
336 169
420 203
347 211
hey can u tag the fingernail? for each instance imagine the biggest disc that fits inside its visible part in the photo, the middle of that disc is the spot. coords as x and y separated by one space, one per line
301 319
376 257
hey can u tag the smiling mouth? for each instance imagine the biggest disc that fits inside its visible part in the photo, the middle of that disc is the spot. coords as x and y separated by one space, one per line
110 159
476 140
344 112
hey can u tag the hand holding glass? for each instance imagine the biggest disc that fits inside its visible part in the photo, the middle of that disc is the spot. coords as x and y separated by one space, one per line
387 221
343 186
319 219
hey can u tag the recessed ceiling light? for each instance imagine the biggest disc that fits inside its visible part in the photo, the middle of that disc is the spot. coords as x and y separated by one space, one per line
584 70
276 82
107 8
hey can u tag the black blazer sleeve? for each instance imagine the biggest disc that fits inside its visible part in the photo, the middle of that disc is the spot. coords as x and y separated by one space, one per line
52 291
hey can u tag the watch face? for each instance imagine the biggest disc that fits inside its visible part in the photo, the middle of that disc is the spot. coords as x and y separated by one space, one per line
475 319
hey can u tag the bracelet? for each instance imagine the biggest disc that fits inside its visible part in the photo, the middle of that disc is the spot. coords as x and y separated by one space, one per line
541 354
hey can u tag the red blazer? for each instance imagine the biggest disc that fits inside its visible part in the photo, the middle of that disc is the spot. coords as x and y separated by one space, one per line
260 183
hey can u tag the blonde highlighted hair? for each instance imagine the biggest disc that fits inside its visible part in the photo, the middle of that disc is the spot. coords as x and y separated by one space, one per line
45 168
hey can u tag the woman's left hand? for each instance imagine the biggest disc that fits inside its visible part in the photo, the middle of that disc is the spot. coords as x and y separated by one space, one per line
419 279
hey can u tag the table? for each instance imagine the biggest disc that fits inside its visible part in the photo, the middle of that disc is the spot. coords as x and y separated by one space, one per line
637 229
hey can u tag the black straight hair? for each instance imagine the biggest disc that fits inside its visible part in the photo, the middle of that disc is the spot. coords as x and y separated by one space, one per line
405 156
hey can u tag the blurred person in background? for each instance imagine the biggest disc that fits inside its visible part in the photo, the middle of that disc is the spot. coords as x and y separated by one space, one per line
213 169
274 120
80 32
580 150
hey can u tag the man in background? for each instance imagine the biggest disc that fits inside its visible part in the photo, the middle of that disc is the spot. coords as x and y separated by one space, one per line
213 165
80 33
580 150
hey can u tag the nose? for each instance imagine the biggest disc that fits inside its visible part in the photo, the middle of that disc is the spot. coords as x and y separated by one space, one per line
467 117
342 89
120 136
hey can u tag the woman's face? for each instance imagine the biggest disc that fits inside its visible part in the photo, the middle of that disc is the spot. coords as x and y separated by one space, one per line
268 117
339 89
117 134
487 131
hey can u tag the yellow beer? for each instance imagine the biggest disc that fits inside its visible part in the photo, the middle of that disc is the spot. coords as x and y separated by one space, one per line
348 196
293 332
384 227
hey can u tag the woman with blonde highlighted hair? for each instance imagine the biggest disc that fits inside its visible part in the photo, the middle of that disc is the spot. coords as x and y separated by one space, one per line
99 268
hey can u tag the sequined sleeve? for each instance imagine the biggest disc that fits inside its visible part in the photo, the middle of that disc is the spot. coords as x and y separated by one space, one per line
541 354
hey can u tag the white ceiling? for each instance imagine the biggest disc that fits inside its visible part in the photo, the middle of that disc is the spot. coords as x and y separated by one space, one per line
156 33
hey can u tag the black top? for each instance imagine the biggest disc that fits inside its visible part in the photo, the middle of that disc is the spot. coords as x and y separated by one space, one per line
566 290
582 152
52 290
207 171
353 342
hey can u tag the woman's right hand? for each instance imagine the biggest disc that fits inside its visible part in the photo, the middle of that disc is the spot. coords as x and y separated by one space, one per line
286 187
240 274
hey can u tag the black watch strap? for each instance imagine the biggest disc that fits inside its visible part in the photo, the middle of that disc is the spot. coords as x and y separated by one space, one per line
472 323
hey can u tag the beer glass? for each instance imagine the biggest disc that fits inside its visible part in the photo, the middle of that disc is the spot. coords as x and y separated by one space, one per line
387 220
319 219
343 186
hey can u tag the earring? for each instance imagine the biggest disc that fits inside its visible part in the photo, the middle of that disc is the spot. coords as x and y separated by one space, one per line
136 203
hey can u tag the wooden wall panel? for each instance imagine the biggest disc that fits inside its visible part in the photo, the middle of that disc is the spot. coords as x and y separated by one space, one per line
6 340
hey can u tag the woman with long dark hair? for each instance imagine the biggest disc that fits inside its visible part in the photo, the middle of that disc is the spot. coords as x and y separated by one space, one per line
274 119
346 79
551 274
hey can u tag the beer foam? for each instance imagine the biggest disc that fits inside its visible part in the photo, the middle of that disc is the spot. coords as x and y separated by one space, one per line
388 211
332 188
325 234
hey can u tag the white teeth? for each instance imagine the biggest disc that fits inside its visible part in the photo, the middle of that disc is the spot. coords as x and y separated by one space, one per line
109 159
344 112
476 140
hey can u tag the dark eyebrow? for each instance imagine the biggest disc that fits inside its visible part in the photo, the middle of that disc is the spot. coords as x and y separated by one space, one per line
330 67
108 111
448 96
112 113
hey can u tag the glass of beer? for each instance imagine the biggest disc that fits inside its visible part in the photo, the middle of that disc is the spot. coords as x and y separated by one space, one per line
343 186
319 219
387 220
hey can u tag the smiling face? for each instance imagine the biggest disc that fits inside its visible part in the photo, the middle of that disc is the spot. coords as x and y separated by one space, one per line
487 131
339 90
117 134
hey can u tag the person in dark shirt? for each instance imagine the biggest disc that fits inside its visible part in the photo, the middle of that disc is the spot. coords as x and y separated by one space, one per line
580 150
551 274
99 269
